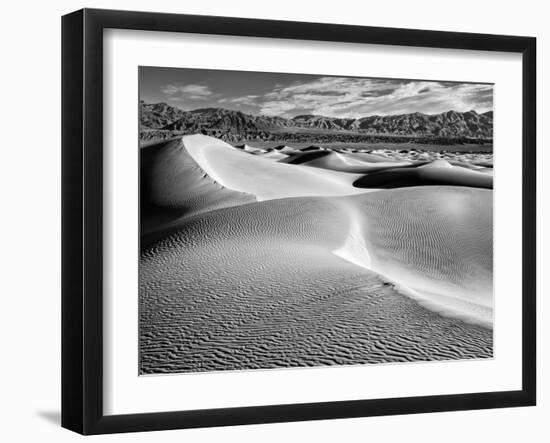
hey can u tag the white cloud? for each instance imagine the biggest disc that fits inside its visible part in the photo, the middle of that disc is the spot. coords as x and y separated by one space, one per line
169 89
194 92
358 97
344 97
277 108
245 100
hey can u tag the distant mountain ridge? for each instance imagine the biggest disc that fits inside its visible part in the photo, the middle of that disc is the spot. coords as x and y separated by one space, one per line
450 124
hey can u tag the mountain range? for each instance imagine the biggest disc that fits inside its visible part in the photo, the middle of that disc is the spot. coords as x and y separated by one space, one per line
230 124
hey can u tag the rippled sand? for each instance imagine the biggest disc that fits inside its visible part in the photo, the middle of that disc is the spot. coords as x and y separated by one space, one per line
228 282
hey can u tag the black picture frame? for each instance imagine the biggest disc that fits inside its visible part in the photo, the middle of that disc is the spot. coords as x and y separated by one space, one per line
82 221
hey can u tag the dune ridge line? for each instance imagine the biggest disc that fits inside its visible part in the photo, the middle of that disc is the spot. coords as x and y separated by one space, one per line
263 177
356 251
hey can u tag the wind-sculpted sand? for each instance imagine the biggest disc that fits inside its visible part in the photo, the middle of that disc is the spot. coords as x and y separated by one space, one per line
435 243
174 186
438 172
263 177
335 161
294 266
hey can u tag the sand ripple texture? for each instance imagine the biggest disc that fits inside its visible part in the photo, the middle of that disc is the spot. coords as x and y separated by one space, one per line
434 241
260 286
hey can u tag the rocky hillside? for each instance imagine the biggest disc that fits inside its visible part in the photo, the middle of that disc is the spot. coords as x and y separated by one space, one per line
446 124
158 115
230 124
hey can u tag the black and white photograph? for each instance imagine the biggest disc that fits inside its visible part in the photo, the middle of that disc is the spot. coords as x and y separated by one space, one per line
292 220
271 222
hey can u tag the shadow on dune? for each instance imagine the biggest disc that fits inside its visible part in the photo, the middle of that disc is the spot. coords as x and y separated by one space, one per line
304 157
344 162
425 176
172 186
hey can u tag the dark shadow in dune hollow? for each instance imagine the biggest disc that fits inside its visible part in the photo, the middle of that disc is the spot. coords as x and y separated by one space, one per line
405 177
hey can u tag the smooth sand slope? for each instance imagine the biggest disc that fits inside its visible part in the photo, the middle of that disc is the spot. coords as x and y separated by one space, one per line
435 243
305 277
263 177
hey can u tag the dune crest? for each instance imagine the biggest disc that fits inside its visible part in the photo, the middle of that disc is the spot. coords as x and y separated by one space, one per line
174 186
450 269
440 163
354 248
263 177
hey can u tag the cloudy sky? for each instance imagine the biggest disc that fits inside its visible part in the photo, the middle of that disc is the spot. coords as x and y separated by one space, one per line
288 95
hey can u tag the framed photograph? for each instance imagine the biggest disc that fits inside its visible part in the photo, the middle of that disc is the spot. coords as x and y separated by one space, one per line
270 221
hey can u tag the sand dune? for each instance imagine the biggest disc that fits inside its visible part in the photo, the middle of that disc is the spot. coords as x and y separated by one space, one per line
263 177
484 159
271 153
309 148
173 186
268 287
443 260
438 172
349 157
316 272
373 158
253 150
287 150
274 155
306 156
352 163
486 164
472 166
